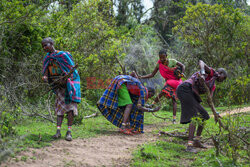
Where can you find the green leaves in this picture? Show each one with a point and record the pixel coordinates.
(213, 30)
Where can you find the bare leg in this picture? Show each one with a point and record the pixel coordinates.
(191, 132)
(125, 128)
(127, 113)
(199, 130)
(59, 124)
(59, 120)
(174, 110)
(197, 142)
(70, 118)
(190, 147)
(174, 107)
(70, 123)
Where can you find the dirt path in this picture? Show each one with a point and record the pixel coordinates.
(235, 111)
(113, 149)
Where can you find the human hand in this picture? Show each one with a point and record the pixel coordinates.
(218, 114)
(45, 78)
(152, 109)
(62, 81)
(201, 78)
(156, 109)
(149, 105)
(132, 74)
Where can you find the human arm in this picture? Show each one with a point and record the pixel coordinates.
(145, 109)
(181, 65)
(211, 93)
(204, 68)
(152, 74)
(45, 76)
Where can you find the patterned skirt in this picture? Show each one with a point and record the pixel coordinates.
(60, 106)
(169, 92)
(115, 116)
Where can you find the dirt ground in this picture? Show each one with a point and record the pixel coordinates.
(112, 149)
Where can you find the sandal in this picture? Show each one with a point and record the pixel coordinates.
(57, 135)
(126, 131)
(135, 132)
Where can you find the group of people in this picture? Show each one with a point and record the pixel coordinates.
(123, 103)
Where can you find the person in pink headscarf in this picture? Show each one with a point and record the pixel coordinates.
(171, 70)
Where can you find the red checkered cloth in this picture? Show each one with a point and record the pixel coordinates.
(169, 92)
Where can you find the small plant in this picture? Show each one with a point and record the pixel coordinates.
(6, 124)
(147, 156)
(24, 158)
(78, 119)
(33, 158)
(233, 140)
(198, 121)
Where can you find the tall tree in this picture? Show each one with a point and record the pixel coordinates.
(129, 9)
(164, 14)
(215, 34)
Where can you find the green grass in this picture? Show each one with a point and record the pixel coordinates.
(209, 159)
(38, 133)
(173, 154)
(170, 151)
(161, 153)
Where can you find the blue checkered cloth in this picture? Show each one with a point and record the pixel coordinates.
(108, 103)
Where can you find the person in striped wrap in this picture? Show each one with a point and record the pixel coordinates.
(123, 103)
(57, 65)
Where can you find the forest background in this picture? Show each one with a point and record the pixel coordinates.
(111, 37)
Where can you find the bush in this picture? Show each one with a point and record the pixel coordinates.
(6, 124)
(233, 91)
(232, 141)
(84, 109)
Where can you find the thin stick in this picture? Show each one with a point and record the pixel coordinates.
(211, 104)
(48, 105)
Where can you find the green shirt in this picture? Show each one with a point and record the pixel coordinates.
(123, 96)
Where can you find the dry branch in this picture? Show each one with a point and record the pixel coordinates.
(92, 115)
(182, 135)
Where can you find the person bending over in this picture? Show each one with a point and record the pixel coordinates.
(123, 104)
(189, 95)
